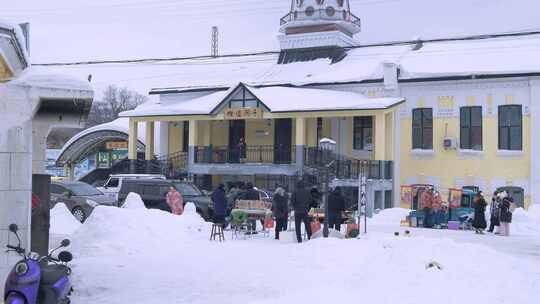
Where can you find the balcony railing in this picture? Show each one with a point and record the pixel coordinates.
(174, 165)
(342, 167)
(251, 154)
(321, 14)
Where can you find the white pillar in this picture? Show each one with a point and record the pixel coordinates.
(149, 145)
(163, 148)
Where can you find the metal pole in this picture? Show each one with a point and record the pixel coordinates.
(325, 201)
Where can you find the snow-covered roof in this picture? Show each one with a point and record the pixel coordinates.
(120, 125)
(277, 99)
(490, 56)
(38, 79)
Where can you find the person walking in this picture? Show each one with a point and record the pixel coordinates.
(336, 206)
(505, 214)
(175, 201)
(220, 204)
(427, 203)
(438, 213)
(300, 201)
(280, 210)
(494, 212)
(479, 222)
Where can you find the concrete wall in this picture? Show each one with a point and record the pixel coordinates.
(15, 169)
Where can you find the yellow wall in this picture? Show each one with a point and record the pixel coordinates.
(264, 127)
(220, 133)
(449, 164)
(311, 132)
(175, 137)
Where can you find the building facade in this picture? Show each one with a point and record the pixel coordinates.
(450, 113)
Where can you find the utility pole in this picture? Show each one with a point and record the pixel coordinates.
(215, 40)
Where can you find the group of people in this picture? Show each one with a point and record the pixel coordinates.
(433, 207)
(434, 210)
(501, 209)
(300, 201)
(500, 213)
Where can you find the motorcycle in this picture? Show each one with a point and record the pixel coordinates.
(38, 279)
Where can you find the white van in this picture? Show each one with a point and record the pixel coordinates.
(114, 183)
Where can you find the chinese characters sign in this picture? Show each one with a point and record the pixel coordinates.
(117, 145)
(243, 113)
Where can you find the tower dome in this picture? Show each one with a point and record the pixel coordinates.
(305, 13)
(318, 24)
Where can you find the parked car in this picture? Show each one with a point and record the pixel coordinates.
(152, 191)
(191, 193)
(114, 183)
(80, 198)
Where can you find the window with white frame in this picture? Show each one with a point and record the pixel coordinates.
(422, 128)
(510, 127)
(470, 128)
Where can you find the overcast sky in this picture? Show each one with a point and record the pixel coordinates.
(64, 30)
(68, 30)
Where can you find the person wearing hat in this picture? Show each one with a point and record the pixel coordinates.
(479, 222)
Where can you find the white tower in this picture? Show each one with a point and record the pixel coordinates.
(318, 23)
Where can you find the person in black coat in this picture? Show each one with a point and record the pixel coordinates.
(505, 214)
(300, 200)
(494, 212)
(220, 204)
(479, 222)
(280, 210)
(336, 206)
(252, 195)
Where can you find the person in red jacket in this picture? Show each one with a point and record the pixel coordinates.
(175, 201)
(426, 203)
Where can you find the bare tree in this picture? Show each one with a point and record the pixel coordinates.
(114, 101)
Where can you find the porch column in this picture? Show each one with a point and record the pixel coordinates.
(149, 147)
(163, 138)
(132, 143)
(193, 133)
(380, 136)
(300, 143)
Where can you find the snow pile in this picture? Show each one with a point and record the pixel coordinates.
(526, 222)
(391, 216)
(135, 231)
(62, 221)
(133, 201)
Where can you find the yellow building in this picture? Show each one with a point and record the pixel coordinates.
(451, 113)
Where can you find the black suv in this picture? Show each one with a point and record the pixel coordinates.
(153, 193)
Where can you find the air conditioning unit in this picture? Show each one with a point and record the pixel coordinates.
(450, 143)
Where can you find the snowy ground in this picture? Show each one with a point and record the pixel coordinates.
(146, 256)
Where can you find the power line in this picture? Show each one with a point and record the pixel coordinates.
(236, 55)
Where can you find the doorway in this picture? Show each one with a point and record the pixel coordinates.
(237, 131)
(282, 141)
